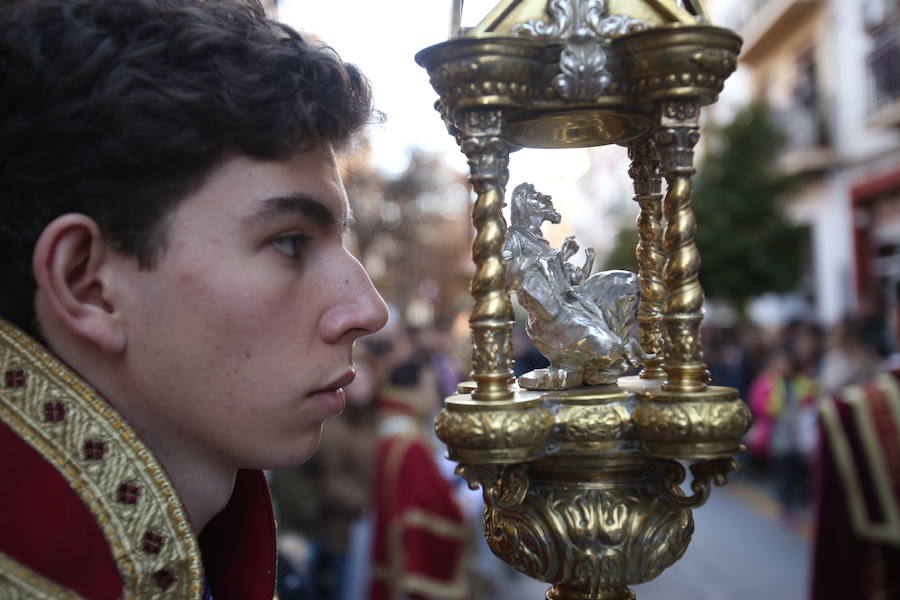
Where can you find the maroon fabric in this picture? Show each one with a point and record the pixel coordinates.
(45, 526)
(845, 566)
(416, 484)
(238, 545)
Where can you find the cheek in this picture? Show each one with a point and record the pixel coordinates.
(231, 304)
(257, 331)
(207, 324)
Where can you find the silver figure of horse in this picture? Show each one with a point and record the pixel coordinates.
(582, 323)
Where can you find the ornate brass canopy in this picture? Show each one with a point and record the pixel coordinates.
(574, 73)
(582, 485)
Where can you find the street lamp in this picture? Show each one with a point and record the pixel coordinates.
(581, 482)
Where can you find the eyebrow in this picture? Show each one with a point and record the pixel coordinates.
(302, 204)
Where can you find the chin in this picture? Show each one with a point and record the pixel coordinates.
(296, 452)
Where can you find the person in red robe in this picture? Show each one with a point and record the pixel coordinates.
(857, 491)
(178, 308)
(421, 541)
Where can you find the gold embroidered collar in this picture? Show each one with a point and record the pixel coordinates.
(116, 476)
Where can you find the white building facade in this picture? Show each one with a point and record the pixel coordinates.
(830, 69)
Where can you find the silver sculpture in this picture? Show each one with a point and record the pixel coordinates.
(582, 323)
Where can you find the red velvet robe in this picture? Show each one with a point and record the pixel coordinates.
(86, 511)
(857, 539)
(421, 539)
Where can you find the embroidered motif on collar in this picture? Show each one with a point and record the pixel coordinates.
(106, 464)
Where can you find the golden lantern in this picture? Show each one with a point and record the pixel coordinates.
(581, 482)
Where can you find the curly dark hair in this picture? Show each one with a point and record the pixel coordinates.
(116, 109)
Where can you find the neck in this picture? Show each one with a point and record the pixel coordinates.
(203, 485)
(204, 482)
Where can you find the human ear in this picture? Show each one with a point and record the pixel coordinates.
(71, 267)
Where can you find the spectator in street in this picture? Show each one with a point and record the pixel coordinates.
(724, 359)
(805, 342)
(849, 358)
(751, 341)
(779, 397)
(437, 344)
(857, 546)
(421, 539)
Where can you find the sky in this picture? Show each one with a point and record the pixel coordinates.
(382, 38)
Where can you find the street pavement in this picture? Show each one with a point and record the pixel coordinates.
(740, 551)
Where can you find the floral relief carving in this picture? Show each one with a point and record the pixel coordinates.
(587, 538)
(490, 350)
(494, 429)
(692, 422)
(596, 423)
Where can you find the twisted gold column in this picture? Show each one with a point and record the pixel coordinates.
(676, 136)
(644, 172)
(480, 138)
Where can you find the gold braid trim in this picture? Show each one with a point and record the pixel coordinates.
(420, 584)
(106, 464)
(436, 525)
(417, 518)
(888, 531)
(415, 583)
(18, 582)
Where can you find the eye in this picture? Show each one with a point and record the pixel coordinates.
(292, 245)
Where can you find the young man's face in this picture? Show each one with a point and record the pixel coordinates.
(239, 336)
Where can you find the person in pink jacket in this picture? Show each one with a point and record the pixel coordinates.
(779, 399)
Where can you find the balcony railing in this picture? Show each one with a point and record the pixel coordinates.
(807, 138)
(804, 128)
(884, 68)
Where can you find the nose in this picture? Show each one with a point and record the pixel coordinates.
(357, 310)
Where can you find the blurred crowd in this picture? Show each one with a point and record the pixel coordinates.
(378, 512)
(783, 374)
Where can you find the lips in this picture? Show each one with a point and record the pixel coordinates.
(331, 397)
(339, 382)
